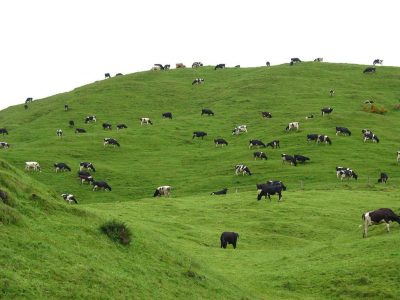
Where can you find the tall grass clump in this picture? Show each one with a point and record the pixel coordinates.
(117, 231)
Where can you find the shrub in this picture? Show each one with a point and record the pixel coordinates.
(375, 109)
(397, 107)
(117, 231)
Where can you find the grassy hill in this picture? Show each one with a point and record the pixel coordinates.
(308, 246)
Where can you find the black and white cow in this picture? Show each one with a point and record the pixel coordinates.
(377, 62)
(256, 143)
(71, 123)
(266, 114)
(260, 155)
(369, 70)
(219, 66)
(121, 126)
(197, 64)
(32, 165)
(107, 126)
(110, 142)
(86, 178)
(241, 128)
(59, 133)
(273, 144)
(206, 111)
(90, 119)
(221, 192)
(292, 125)
(381, 215)
(199, 134)
(241, 168)
(167, 115)
(198, 81)
(102, 185)
(164, 190)
(4, 145)
(324, 139)
(384, 178)
(86, 166)
(229, 238)
(295, 60)
(343, 172)
(319, 59)
(369, 136)
(28, 100)
(221, 142)
(69, 198)
(331, 93)
(145, 121)
(326, 110)
(343, 130)
(107, 75)
(80, 130)
(3, 131)
(270, 189)
(301, 158)
(66, 107)
(61, 167)
(288, 158)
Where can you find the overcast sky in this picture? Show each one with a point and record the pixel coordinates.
(49, 47)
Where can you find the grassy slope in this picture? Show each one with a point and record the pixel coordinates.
(175, 237)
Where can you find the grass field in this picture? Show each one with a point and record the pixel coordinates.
(309, 246)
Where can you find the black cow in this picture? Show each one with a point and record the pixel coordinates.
(384, 178)
(219, 66)
(71, 123)
(110, 142)
(90, 119)
(326, 110)
(256, 143)
(86, 165)
(229, 238)
(61, 167)
(268, 64)
(121, 126)
(260, 155)
(369, 70)
(221, 142)
(369, 136)
(167, 115)
(221, 192)
(3, 131)
(269, 189)
(199, 134)
(273, 183)
(288, 158)
(206, 111)
(343, 130)
(107, 75)
(80, 130)
(198, 81)
(101, 185)
(266, 114)
(300, 158)
(107, 126)
(295, 60)
(381, 215)
(273, 144)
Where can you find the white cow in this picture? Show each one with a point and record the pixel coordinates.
(32, 165)
(292, 125)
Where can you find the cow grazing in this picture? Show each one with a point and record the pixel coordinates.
(145, 121)
(221, 192)
(71, 123)
(241, 168)
(369, 136)
(167, 115)
(69, 198)
(199, 134)
(80, 130)
(256, 143)
(86, 178)
(28, 100)
(326, 110)
(4, 145)
(324, 139)
(268, 64)
(164, 190)
(121, 126)
(266, 114)
(90, 119)
(198, 81)
(295, 60)
(273, 144)
(206, 111)
(107, 75)
(369, 70)
(61, 167)
(292, 125)
(343, 172)
(107, 126)
(219, 66)
(86, 166)
(110, 142)
(180, 65)
(229, 238)
(331, 93)
(384, 178)
(66, 107)
(102, 185)
(300, 158)
(270, 189)
(260, 155)
(381, 215)
(241, 128)
(343, 130)
(3, 131)
(220, 142)
(310, 117)
(319, 59)
(197, 64)
(377, 62)
(288, 158)
(32, 165)
(59, 133)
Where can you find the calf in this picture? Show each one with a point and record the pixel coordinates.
(107, 126)
(381, 215)
(121, 126)
(110, 142)
(164, 190)
(101, 185)
(371, 137)
(61, 167)
(206, 111)
(199, 134)
(369, 70)
(273, 144)
(3, 131)
(242, 169)
(229, 238)
(90, 119)
(221, 142)
(167, 115)
(219, 66)
(292, 125)
(145, 121)
(288, 158)
(69, 198)
(343, 130)
(324, 139)
(266, 114)
(377, 62)
(326, 110)
(300, 158)
(80, 130)
(256, 143)
(221, 192)
(86, 166)
(260, 155)
(269, 189)
(384, 178)
(32, 165)
(4, 145)
(59, 133)
(198, 81)
(239, 129)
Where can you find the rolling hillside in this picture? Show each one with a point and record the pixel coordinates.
(307, 247)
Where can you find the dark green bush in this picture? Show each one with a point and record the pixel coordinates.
(117, 231)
